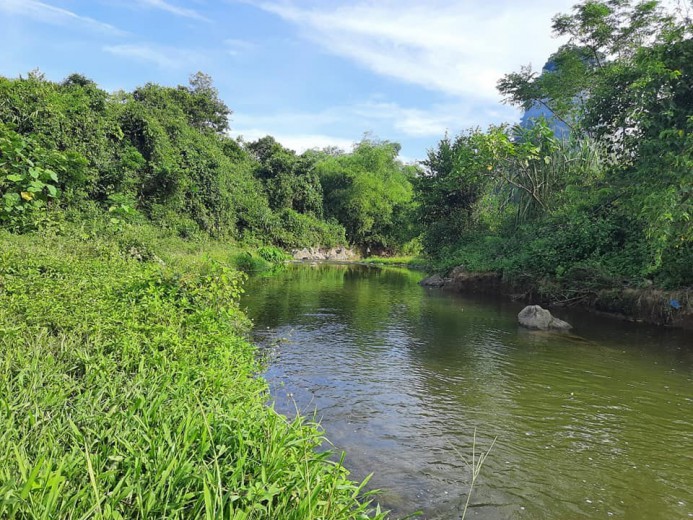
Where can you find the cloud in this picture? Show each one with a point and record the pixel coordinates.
(51, 14)
(174, 9)
(431, 121)
(299, 131)
(297, 142)
(162, 56)
(305, 130)
(235, 47)
(456, 48)
(413, 122)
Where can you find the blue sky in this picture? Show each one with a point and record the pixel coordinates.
(311, 73)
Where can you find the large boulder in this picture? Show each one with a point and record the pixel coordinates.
(536, 318)
(338, 253)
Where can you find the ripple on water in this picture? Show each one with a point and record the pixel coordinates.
(599, 426)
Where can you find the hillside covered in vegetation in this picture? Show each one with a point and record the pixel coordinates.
(162, 154)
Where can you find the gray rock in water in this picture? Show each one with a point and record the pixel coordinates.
(433, 281)
(536, 318)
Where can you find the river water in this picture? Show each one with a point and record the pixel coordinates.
(596, 424)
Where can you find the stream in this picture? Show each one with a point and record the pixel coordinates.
(413, 382)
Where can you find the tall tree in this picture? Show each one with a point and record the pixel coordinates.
(370, 192)
(628, 82)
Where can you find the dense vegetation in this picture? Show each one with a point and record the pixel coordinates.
(127, 389)
(607, 206)
(162, 154)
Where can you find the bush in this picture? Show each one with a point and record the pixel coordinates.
(273, 254)
(250, 263)
(127, 390)
(29, 182)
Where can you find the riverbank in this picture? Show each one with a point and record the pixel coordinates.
(128, 388)
(411, 262)
(648, 305)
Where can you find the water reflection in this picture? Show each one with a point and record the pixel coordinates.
(592, 425)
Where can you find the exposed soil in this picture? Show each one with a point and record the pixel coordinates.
(649, 305)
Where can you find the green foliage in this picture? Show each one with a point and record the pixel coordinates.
(633, 93)
(299, 230)
(453, 182)
(157, 153)
(250, 263)
(289, 180)
(201, 104)
(71, 117)
(128, 391)
(370, 192)
(611, 204)
(29, 180)
(273, 255)
(162, 153)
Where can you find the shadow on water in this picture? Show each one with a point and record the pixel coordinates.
(595, 424)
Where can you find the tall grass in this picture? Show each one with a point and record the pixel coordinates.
(127, 390)
(475, 467)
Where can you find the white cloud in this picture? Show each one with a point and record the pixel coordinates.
(457, 48)
(174, 9)
(414, 122)
(51, 14)
(432, 121)
(235, 47)
(297, 142)
(306, 122)
(305, 130)
(162, 56)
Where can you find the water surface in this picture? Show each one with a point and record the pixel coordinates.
(598, 424)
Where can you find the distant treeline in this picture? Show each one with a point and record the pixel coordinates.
(609, 205)
(163, 154)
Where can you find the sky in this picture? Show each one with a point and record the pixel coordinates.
(310, 73)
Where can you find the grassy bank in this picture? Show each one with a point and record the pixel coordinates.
(128, 389)
(413, 261)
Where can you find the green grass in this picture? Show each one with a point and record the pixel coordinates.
(415, 262)
(127, 390)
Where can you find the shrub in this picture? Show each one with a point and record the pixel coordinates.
(127, 390)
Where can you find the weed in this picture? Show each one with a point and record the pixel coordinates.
(127, 390)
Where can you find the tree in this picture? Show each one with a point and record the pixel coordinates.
(370, 192)
(200, 101)
(627, 81)
(454, 177)
(290, 181)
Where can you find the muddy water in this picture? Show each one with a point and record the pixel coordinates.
(598, 424)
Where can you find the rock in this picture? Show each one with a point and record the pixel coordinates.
(475, 282)
(457, 272)
(536, 318)
(433, 281)
(339, 253)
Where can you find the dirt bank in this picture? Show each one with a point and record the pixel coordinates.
(649, 305)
